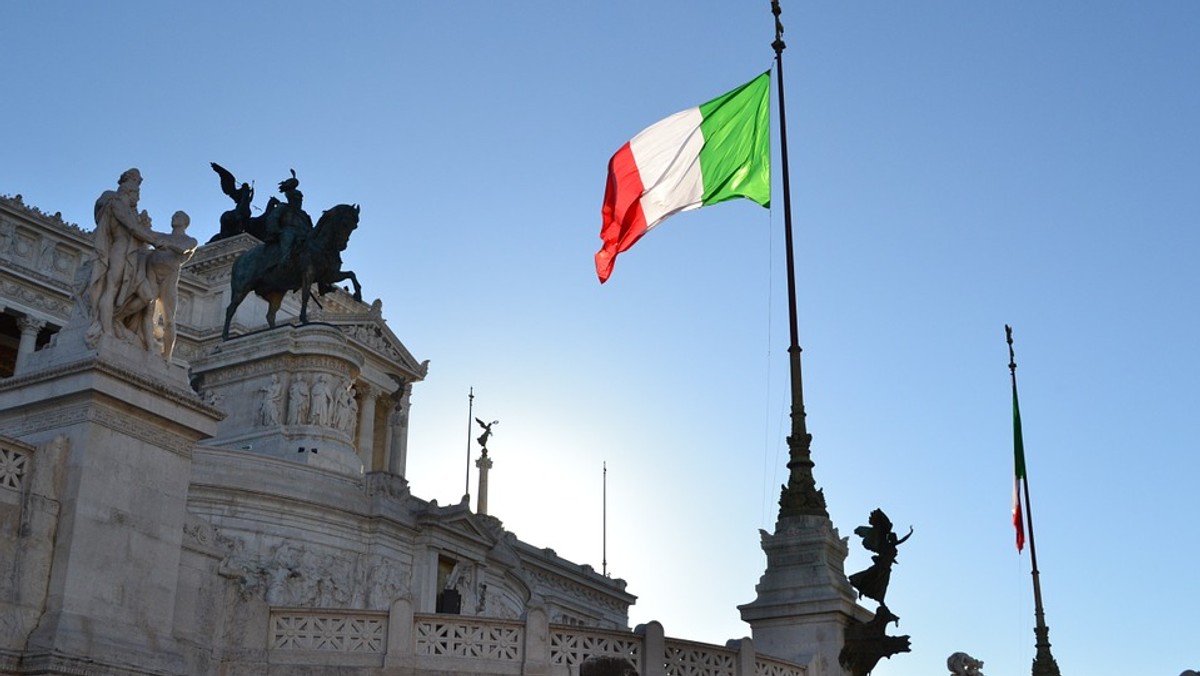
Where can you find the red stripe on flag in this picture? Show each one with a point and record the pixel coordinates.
(1018, 515)
(623, 220)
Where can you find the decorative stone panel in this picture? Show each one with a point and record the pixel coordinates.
(329, 631)
(571, 648)
(684, 658)
(769, 667)
(502, 641)
(14, 467)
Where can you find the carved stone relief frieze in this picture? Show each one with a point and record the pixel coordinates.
(301, 575)
(277, 364)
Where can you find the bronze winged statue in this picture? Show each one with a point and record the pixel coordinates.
(237, 219)
(487, 432)
(879, 538)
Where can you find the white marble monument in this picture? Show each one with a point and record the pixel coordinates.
(173, 503)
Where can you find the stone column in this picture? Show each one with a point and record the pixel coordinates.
(30, 328)
(484, 463)
(397, 441)
(366, 424)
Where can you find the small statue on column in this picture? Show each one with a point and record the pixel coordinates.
(484, 463)
(487, 432)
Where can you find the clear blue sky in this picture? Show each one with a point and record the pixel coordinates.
(956, 167)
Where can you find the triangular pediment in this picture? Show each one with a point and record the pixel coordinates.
(459, 521)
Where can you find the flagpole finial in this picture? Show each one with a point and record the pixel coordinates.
(778, 44)
(1012, 360)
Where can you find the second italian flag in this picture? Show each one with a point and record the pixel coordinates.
(711, 153)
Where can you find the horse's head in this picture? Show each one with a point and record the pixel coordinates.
(336, 224)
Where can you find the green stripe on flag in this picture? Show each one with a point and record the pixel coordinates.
(736, 158)
(1018, 442)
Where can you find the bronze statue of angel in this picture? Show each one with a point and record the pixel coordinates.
(878, 537)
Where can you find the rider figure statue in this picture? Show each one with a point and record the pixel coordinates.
(287, 222)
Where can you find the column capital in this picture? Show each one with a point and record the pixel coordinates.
(30, 324)
(368, 391)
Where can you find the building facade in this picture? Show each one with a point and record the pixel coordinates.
(242, 507)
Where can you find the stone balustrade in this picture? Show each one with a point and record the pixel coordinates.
(456, 644)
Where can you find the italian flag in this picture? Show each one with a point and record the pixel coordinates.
(711, 153)
(1018, 472)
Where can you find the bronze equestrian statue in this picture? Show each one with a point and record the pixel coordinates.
(314, 258)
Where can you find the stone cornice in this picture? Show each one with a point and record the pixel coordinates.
(16, 204)
(27, 292)
(93, 362)
(551, 569)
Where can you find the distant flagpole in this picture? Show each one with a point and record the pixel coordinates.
(470, 415)
(604, 524)
(1043, 661)
(800, 497)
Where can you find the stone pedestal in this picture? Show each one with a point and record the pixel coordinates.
(276, 379)
(804, 599)
(126, 422)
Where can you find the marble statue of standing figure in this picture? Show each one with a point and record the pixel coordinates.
(320, 401)
(268, 403)
(350, 415)
(118, 233)
(337, 413)
(297, 401)
(164, 265)
(133, 309)
(157, 289)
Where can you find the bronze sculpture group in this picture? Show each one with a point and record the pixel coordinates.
(867, 642)
(294, 254)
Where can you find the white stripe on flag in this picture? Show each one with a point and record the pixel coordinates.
(667, 154)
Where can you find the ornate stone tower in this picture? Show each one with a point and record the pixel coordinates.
(804, 599)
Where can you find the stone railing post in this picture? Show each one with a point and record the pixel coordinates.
(745, 657)
(400, 635)
(537, 643)
(654, 649)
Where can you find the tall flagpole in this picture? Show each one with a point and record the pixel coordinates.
(1043, 661)
(800, 497)
(470, 415)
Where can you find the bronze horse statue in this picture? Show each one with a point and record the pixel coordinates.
(315, 258)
